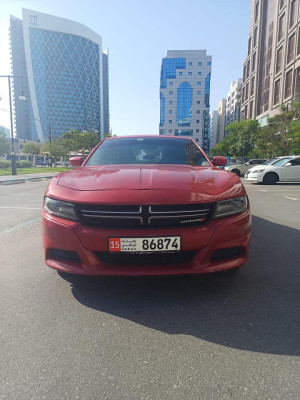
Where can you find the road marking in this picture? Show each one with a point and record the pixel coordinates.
(21, 225)
(22, 208)
(262, 190)
(291, 198)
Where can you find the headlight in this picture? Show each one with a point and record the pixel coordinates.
(231, 207)
(258, 171)
(60, 209)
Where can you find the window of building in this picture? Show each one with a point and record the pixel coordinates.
(170, 130)
(253, 61)
(248, 68)
(190, 73)
(198, 111)
(279, 60)
(190, 63)
(288, 83)
(184, 104)
(281, 27)
(197, 121)
(198, 93)
(170, 83)
(247, 90)
(292, 13)
(276, 92)
(170, 102)
(252, 85)
(170, 112)
(198, 101)
(180, 73)
(170, 121)
(170, 93)
(244, 73)
(291, 48)
(199, 73)
(209, 63)
(246, 112)
(199, 63)
(282, 3)
(298, 47)
(255, 37)
(251, 110)
(197, 130)
(256, 11)
(199, 83)
(249, 45)
(197, 140)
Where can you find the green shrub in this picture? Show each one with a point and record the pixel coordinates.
(4, 164)
(23, 164)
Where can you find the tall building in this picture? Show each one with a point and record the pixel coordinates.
(61, 70)
(184, 95)
(233, 102)
(272, 67)
(213, 129)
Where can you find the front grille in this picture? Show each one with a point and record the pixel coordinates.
(143, 217)
(146, 259)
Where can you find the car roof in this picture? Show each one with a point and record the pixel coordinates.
(149, 136)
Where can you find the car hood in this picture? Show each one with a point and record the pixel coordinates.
(143, 178)
(156, 184)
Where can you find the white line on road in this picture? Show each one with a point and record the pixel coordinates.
(22, 208)
(291, 198)
(21, 225)
(262, 190)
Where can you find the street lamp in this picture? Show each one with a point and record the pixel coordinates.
(22, 98)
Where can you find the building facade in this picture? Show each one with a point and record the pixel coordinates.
(271, 74)
(60, 68)
(185, 94)
(233, 102)
(213, 129)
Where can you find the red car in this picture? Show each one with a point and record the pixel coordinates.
(146, 205)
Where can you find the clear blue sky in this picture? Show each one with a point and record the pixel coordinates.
(138, 34)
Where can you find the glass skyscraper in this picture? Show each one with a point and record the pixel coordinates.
(61, 69)
(184, 95)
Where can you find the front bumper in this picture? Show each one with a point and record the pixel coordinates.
(254, 177)
(201, 244)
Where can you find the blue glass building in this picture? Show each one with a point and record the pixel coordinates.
(63, 74)
(184, 95)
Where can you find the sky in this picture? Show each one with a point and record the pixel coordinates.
(138, 34)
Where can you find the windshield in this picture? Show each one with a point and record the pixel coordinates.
(282, 161)
(268, 162)
(142, 150)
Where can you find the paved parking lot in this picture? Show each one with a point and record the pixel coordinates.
(208, 337)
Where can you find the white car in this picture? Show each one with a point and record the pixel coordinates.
(241, 169)
(285, 169)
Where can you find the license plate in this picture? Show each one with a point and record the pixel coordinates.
(160, 244)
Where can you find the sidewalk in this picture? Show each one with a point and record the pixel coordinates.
(14, 179)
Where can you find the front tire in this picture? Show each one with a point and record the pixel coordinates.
(237, 172)
(270, 179)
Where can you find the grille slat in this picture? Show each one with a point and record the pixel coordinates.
(146, 217)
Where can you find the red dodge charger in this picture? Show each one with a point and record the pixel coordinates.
(146, 205)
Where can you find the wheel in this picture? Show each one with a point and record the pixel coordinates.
(236, 171)
(270, 179)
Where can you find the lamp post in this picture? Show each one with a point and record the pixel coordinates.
(22, 98)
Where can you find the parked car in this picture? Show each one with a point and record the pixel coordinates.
(241, 169)
(285, 169)
(146, 205)
(39, 163)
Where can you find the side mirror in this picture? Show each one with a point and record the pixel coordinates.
(76, 161)
(219, 161)
(289, 164)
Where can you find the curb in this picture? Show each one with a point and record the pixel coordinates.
(23, 180)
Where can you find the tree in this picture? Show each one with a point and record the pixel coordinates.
(243, 136)
(55, 149)
(31, 149)
(4, 145)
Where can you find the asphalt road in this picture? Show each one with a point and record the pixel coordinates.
(208, 337)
